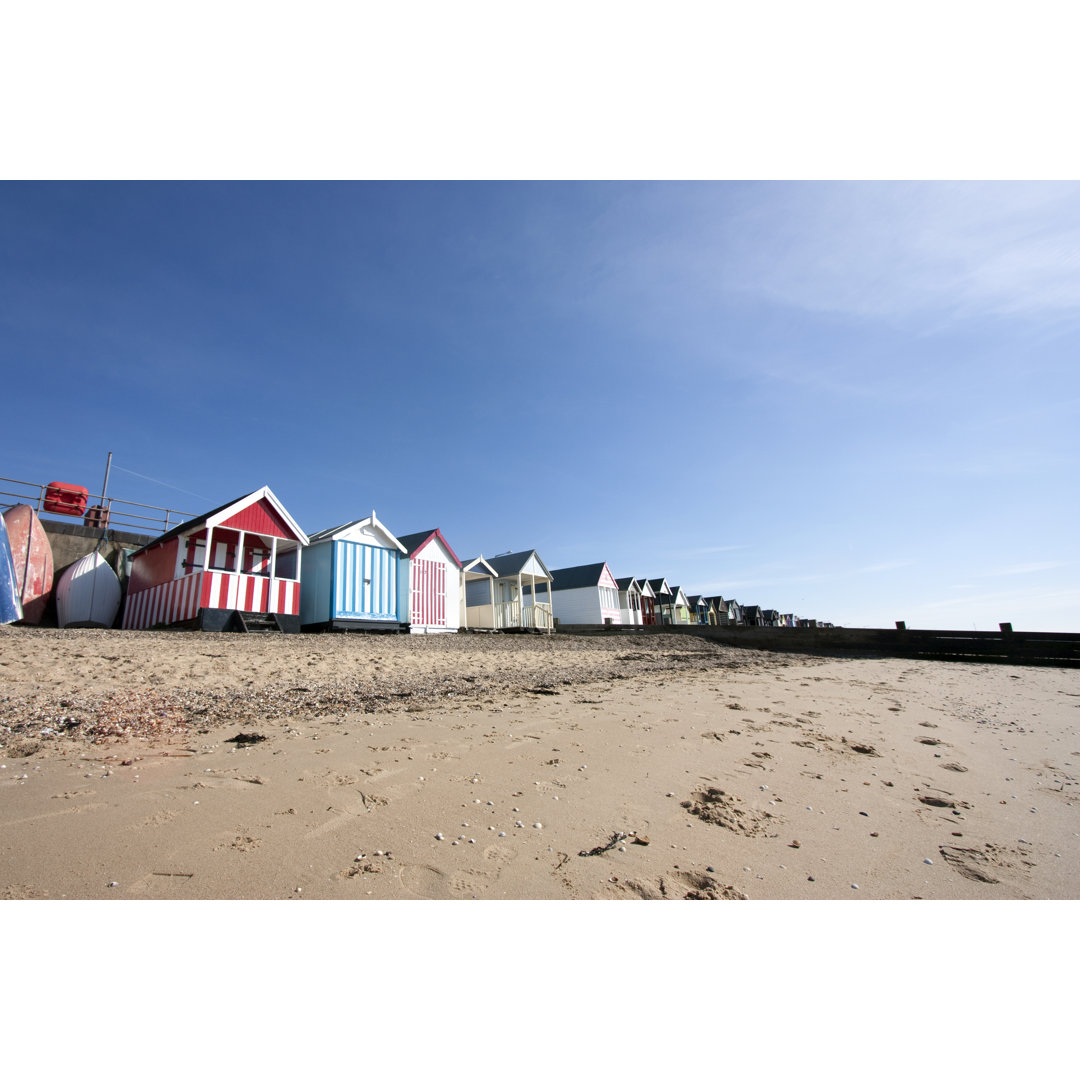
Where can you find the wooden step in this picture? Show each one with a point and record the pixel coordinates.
(256, 622)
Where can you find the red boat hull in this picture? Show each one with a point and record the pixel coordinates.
(32, 556)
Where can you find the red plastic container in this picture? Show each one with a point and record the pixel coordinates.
(65, 499)
(97, 517)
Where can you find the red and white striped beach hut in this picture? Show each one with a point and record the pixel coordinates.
(242, 559)
(434, 583)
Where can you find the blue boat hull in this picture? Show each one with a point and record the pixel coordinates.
(10, 607)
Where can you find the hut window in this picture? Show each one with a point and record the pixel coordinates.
(196, 555)
(224, 556)
(286, 565)
(257, 560)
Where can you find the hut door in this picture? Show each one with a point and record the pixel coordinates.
(429, 593)
(365, 581)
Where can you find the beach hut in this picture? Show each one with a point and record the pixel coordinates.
(648, 602)
(699, 610)
(509, 600)
(719, 610)
(752, 615)
(478, 594)
(434, 585)
(662, 598)
(236, 567)
(585, 595)
(629, 600)
(680, 607)
(353, 580)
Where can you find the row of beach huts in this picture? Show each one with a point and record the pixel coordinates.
(248, 566)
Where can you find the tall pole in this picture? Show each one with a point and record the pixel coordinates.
(105, 485)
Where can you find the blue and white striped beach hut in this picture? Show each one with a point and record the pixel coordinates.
(351, 579)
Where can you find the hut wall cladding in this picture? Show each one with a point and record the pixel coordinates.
(428, 592)
(260, 518)
(365, 581)
(154, 566)
(179, 600)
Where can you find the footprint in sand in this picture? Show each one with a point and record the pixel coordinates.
(24, 892)
(425, 881)
(719, 808)
(499, 855)
(162, 817)
(680, 885)
(978, 864)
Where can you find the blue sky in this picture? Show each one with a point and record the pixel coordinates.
(857, 402)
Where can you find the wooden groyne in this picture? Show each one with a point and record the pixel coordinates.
(1002, 646)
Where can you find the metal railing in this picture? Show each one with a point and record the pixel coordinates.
(107, 513)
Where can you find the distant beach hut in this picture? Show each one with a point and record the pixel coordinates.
(236, 567)
(585, 595)
(699, 610)
(478, 594)
(648, 602)
(629, 600)
(663, 601)
(434, 583)
(352, 579)
(680, 607)
(509, 600)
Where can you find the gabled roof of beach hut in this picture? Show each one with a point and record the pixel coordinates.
(477, 564)
(627, 583)
(354, 530)
(416, 542)
(659, 585)
(223, 516)
(579, 577)
(516, 563)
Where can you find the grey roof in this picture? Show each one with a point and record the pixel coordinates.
(509, 565)
(414, 540)
(577, 577)
(325, 534)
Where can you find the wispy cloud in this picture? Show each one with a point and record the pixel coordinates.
(714, 550)
(883, 567)
(890, 250)
(1025, 568)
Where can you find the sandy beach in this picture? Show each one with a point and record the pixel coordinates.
(190, 766)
